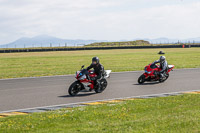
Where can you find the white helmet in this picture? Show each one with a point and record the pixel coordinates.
(162, 58)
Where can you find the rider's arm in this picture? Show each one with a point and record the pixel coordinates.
(155, 62)
(91, 66)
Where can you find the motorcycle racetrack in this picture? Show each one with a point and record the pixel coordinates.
(45, 91)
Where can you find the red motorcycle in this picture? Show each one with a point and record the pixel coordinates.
(152, 74)
(84, 82)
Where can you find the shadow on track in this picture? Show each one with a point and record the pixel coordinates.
(79, 95)
(149, 83)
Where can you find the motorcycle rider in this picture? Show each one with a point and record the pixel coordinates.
(98, 69)
(163, 65)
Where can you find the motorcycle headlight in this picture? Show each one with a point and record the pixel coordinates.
(82, 77)
(148, 72)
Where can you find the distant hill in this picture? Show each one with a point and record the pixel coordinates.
(50, 41)
(45, 41)
(125, 43)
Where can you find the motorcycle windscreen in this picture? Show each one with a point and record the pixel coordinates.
(84, 71)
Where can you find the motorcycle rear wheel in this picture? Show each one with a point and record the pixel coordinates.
(163, 80)
(104, 84)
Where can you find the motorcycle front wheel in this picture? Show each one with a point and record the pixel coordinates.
(74, 88)
(141, 79)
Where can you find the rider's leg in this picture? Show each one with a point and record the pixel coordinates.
(162, 74)
(98, 84)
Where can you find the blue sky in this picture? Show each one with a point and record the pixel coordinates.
(99, 19)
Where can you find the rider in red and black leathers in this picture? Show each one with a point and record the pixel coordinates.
(98, 69)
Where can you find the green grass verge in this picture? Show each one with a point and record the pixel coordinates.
(14, 65)
(167, 114)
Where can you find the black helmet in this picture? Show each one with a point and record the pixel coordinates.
(162, 58)
(95, 59)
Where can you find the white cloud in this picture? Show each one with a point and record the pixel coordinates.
(99, 19)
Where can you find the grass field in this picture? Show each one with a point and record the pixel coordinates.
(168, 114)
(13, 65)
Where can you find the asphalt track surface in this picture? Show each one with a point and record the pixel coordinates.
(45, 91)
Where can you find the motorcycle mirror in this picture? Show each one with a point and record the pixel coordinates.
(83, 66)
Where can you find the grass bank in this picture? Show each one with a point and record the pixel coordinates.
(168, 114)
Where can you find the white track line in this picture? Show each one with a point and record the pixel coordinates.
(97, 101)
